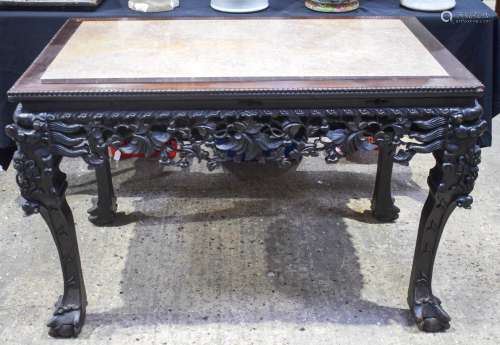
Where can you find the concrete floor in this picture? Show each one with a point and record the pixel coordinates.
(206, 258)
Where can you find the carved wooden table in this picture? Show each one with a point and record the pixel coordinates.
(243, 90)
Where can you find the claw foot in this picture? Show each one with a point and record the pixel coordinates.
(100, 217)
(388, 214)
(67, 321)
(430, 316)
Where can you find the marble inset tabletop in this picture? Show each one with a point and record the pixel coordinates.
(196, 50)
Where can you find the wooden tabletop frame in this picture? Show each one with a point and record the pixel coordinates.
(459, 81)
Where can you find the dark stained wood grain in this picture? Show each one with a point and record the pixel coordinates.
(459, 83)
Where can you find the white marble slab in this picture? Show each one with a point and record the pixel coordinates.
(219, 49)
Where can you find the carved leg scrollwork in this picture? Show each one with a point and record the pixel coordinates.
(42, 187)
(450, 181)
(383, 207)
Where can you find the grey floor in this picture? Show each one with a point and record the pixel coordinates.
(207, 258)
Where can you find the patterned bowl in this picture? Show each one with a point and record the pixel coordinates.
(332, 5)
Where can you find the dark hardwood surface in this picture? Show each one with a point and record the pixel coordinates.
(460, 83)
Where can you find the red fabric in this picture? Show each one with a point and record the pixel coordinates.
(171, 154)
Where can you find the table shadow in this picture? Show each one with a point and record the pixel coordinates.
(268, 249)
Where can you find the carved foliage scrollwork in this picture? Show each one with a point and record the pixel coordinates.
(38, 175)
(460, 158)
(220, 136)
(216, 136)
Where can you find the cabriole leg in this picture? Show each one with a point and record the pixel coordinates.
(429, 314)
(383, 208)
(43, 187)
(450, 182)
(69, 315)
